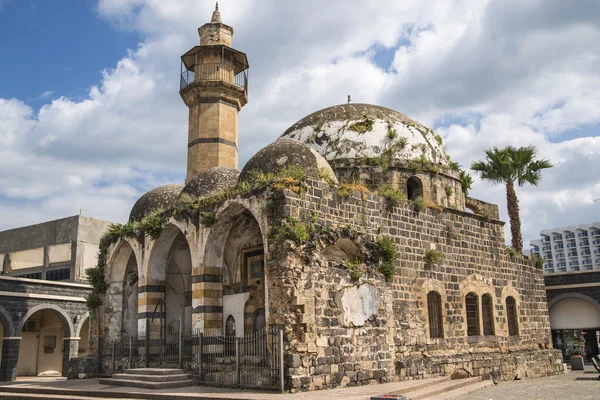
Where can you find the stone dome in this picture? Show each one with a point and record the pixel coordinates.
(286, 152)
(364, 130)
(161, 198)
(211, 180)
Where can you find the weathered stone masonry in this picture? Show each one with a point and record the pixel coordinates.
(394, 344)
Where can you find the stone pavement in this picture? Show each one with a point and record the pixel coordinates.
(575, 385)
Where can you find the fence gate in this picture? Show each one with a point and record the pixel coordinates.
(254, 361)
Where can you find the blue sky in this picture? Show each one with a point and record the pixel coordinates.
(58, 46)
(90, 115)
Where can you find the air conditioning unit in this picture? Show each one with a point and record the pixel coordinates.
(32, 326)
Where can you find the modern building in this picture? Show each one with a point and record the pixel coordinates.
(572, 279)
(43, 313)
(569, 249)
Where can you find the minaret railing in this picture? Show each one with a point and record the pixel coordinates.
(223, 72)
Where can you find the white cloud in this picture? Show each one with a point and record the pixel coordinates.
(486, 73)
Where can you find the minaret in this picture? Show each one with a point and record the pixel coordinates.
(214, 85)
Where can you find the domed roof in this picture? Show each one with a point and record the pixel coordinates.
(286, 152)
(161, 198)
(364, 130)
(210, 180)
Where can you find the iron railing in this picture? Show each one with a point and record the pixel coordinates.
(254, 361)
(214, 72)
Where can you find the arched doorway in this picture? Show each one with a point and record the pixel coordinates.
(575, 324)
(129, 319)
(179, 283)
(235, 246)
(414, 188)
(42, 349)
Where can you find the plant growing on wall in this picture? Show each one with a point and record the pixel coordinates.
(294, 230)
(366, 125)
(434, 257)
(392, 196)
(388, 256)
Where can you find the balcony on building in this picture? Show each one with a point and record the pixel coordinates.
(584, 243)
(596, 241)
(572, 254)
(559, 246)
(570, 235)
(582, 234)
(545, 239)
(215, 63)
(560, 255)
(571, 245)
(595, 232)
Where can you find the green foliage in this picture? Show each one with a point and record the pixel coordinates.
(151, 225)
(355, 273)
(392, 134)
(388, 254)
(392, 148)
(419, 204)
(207, 219)
(311, 139)
(434, 257)
(511, 164)
(95, 277)
(292, 229)
(93, 301)
(538, 261)
(514, 253)
(466, 180)
(449, 190)
(325, 174)
(454, 166)
(347, 189)
(393, 196)
(318, 127)
(366, 125)
(438, 139)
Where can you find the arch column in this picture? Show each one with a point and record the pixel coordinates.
(10, 358)
(70, 350)
(207, 297)
(149, 295)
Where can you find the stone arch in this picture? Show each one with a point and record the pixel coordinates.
(124, 268)
(82, 334)
(479, 285)
(7, 323)
(235, 247)
(510, 291)
(64, 317)
(427, 286)
(80, 322)
(574, 311)
(414, 188)
(159, 252)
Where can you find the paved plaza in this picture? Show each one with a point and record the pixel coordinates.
(575, 385)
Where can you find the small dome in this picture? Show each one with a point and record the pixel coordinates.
(364, 130)
(161, 198)
(286, 152)
(210, 180)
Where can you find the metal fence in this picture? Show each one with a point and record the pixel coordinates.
(213, 72)
(254, 361)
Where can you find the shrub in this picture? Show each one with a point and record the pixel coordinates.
(152, 225)
(207, 219)
(419, 203)
(388, 254)
(325, 174)
(346, 189)
(538, 261)
(366, 125)
(434, 257)
(393, 196)
(291, 229)
(514, 253)
(449, 190)
(355, 273)
(466, 180)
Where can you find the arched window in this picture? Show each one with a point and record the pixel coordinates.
(512, 317)
(414, 188)
(436, 320)
(230, 326)
(487, 309)
(472, 307)
(258, 319)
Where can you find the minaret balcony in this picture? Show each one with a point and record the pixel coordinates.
(214, 72)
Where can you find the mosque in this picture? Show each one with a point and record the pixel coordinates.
(351, 232)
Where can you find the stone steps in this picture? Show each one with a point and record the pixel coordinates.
(439, 387)
(461, 391)
(150, 378)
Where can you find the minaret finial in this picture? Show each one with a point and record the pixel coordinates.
(349, 99)
(216, 17)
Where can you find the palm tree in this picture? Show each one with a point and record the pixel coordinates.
(510, 165)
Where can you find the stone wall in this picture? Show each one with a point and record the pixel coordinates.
(385, 338)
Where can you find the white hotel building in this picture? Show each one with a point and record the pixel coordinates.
(569, 249)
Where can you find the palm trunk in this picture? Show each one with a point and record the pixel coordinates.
(512, 204)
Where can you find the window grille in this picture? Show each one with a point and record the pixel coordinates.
(436, 321)
(472, 306)
(59, 275)
(512, 317)
(487, 308)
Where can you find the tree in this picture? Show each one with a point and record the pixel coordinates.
(510, 165)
